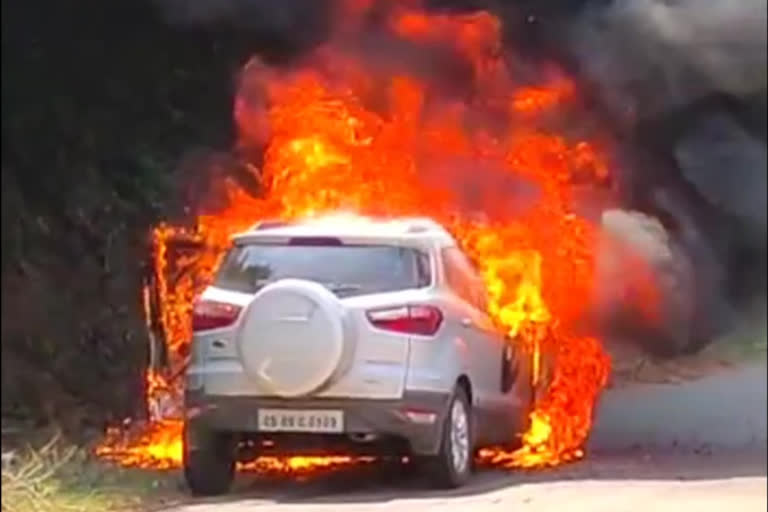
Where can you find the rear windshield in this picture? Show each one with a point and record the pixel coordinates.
(345, 269)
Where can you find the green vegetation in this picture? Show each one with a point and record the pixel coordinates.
(100, 102)
(749, 343)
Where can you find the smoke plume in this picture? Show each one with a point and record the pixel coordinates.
(656, 55)
(651, 58)
(645, 60)
(682, 83)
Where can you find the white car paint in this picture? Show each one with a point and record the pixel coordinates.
(354, 359)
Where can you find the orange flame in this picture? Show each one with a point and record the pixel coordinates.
(158, 446)
(342, 133)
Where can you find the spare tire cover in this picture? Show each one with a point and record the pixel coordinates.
(292, 337)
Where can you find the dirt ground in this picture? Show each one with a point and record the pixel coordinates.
(696, 444)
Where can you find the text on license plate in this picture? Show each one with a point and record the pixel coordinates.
(286, 420)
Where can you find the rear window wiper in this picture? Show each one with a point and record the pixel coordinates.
(342, 287)
(258, 284)
(334, 287)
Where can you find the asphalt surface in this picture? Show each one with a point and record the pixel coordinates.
(725, 410)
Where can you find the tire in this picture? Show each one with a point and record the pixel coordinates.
(446, 471)
(209, 467)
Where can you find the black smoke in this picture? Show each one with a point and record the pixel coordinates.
(698, 69)
(686, 81)
(682, 83)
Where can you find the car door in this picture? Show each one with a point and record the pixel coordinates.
(484, 348)
(496, 362)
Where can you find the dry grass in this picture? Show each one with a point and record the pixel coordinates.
(60, 478)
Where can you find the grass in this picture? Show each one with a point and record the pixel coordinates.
(59, 478)
(748, 344)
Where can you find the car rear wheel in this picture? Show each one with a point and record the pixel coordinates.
(452, 466)
(209, 461)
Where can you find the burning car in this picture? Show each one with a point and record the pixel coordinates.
(349, 335)
(485, 159)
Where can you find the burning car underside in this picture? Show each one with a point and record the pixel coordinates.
(405, 111)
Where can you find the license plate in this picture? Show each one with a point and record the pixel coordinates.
(286, 420)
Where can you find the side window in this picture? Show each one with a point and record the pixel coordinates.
(454, 275)
(423, 269)
(463, 278)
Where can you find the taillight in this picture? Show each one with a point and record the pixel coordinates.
(424, 320)
(209, 314)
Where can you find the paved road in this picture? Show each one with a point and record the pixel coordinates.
(726, 409)
(621, 483)
(698, 446)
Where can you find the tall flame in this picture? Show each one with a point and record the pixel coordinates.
(345, 132)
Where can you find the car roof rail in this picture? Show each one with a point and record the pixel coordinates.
(423, 225)
(269, 224)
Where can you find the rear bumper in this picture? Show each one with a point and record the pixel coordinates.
(380, 417)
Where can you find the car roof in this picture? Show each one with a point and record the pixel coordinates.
(350, 228)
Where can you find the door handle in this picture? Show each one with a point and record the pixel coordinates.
(466, 322)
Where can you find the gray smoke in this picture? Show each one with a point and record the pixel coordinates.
(631, 244)
(687, 78)
(651, 57)
(728, 166)
(654, 55)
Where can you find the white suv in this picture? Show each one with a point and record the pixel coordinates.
(356, 336)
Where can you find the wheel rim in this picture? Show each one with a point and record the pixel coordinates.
(459, 437)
